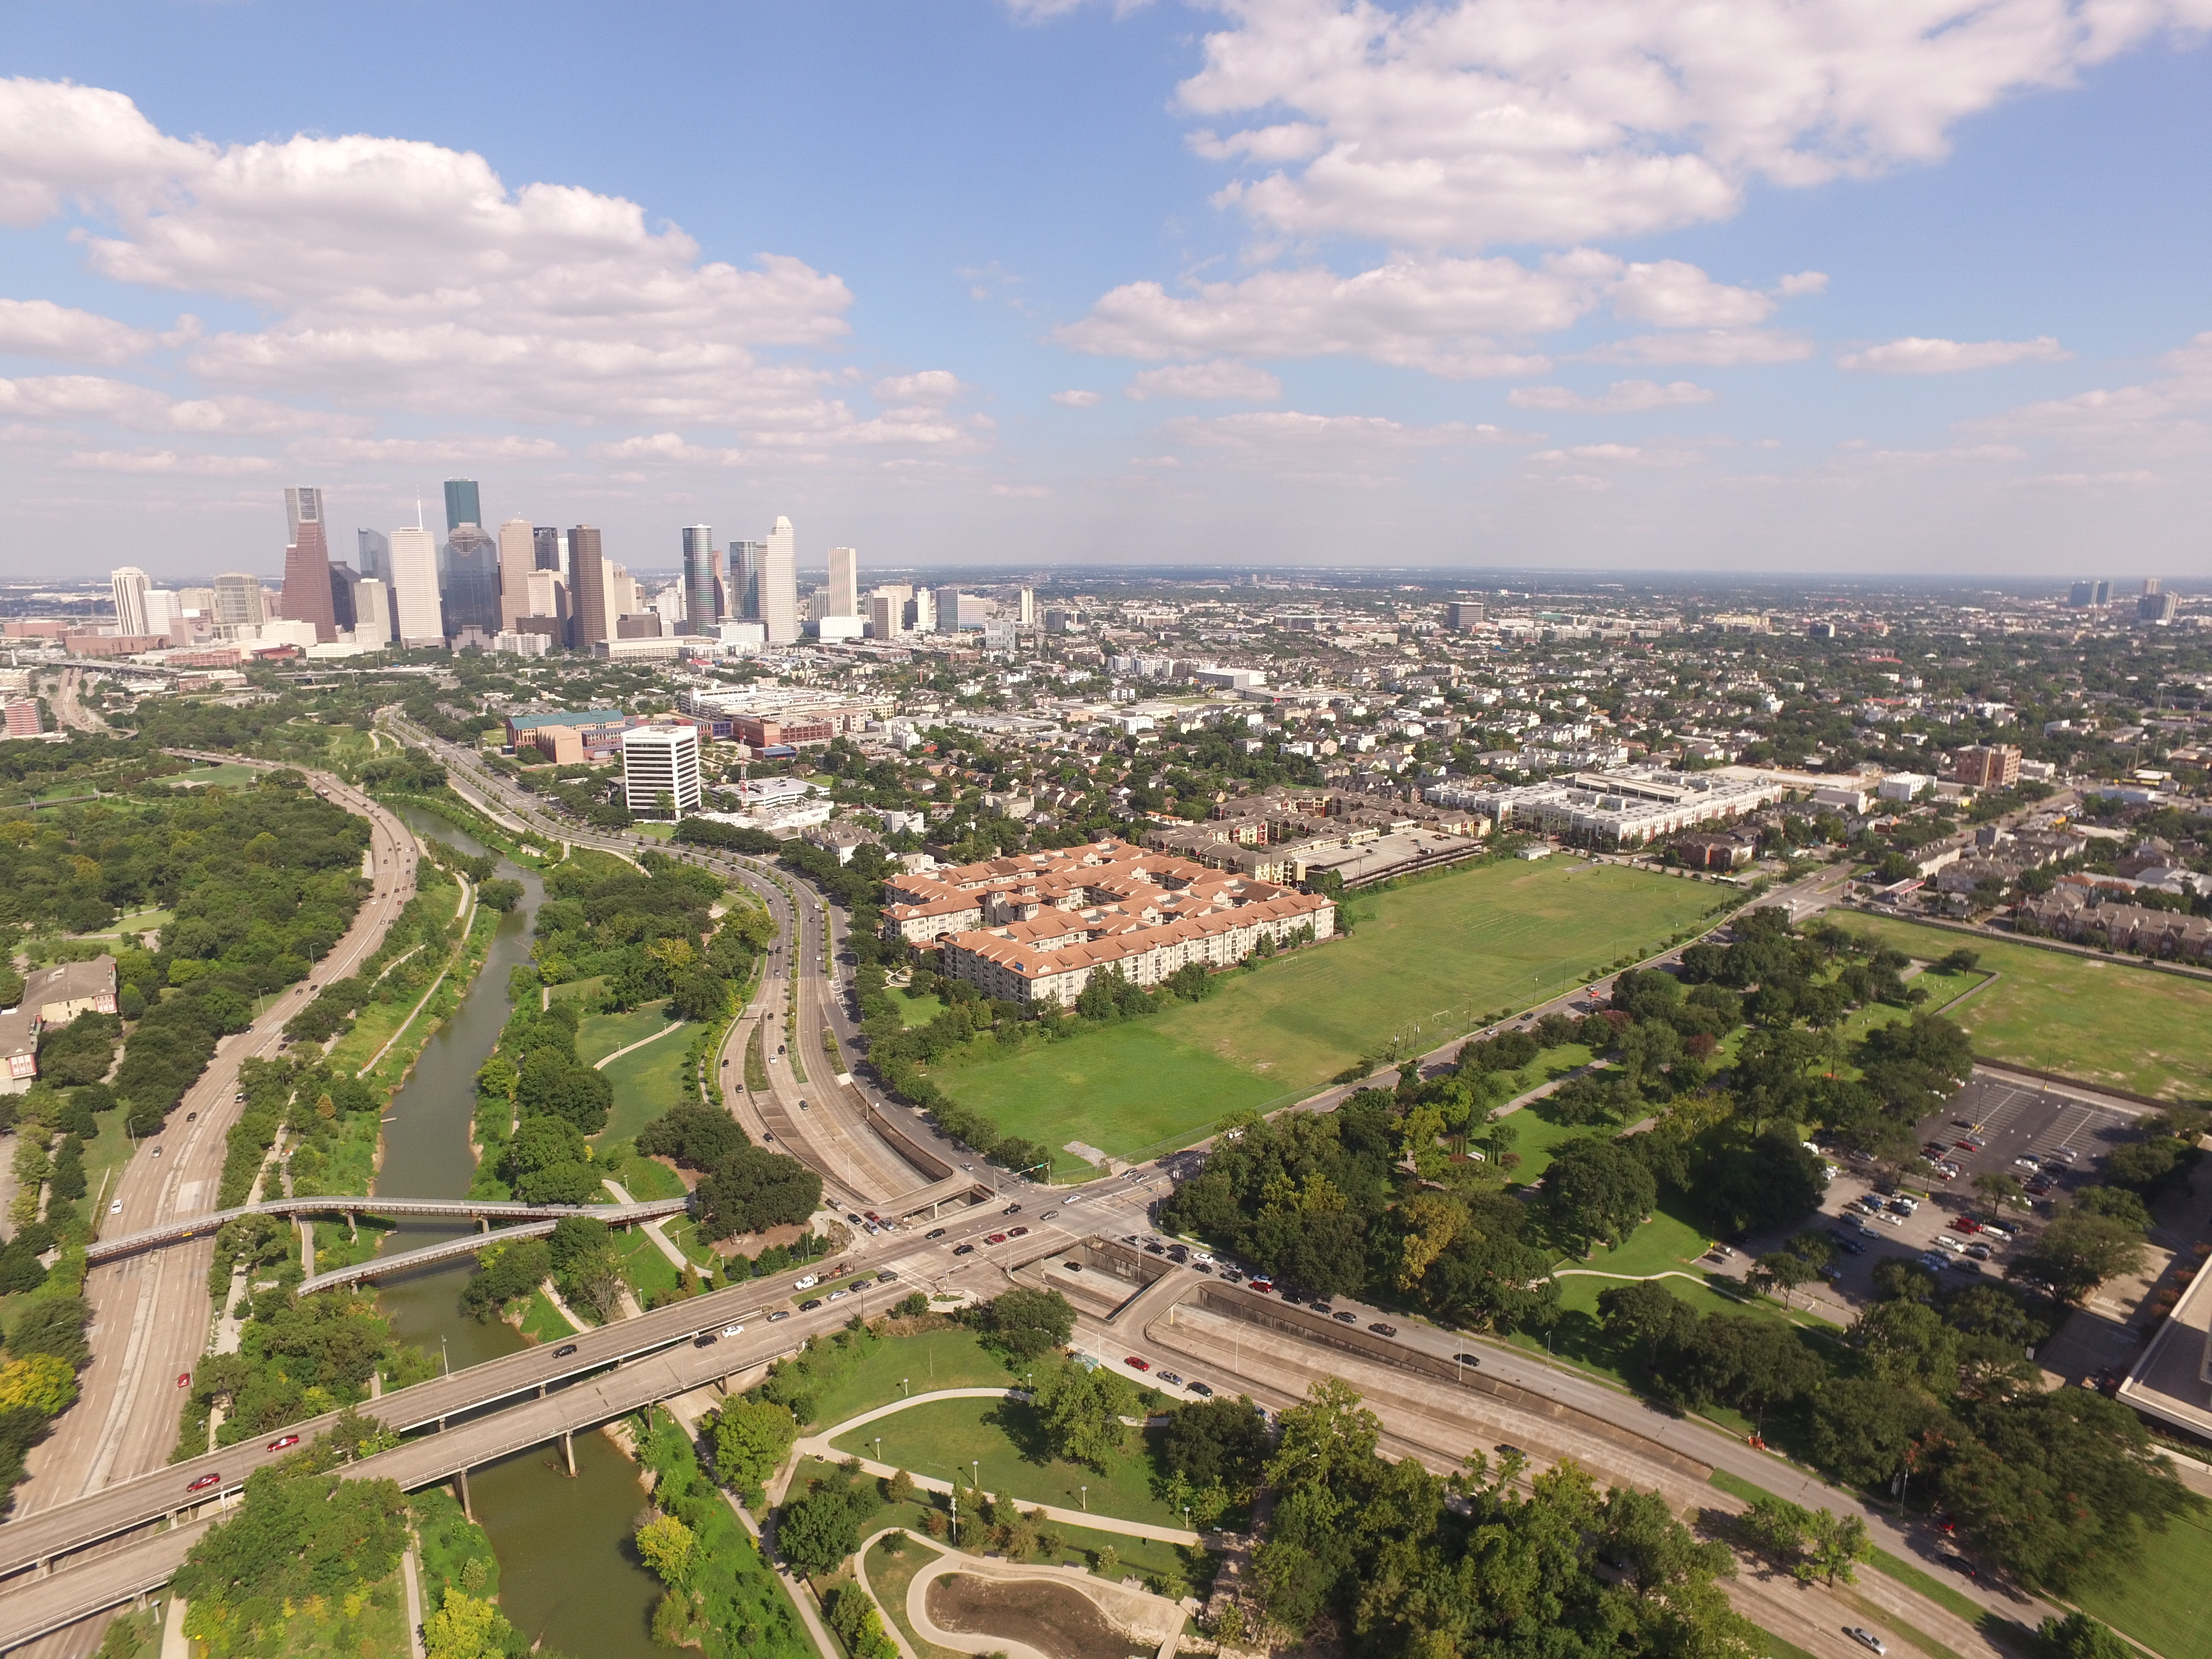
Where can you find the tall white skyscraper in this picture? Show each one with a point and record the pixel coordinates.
(415, 587)
(778, 586)
(922, 608)
(844, 582)
(518, 557)
(129, 585)
(1026, 611)
(164, 614)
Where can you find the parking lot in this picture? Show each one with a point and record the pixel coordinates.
(1991, 1124)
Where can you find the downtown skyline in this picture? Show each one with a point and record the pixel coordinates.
(1257, 286)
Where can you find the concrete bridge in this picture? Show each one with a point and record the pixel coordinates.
(381, 1266)
(482, 1211)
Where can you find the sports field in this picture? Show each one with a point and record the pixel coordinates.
(2099, 1022)
(1431, 954)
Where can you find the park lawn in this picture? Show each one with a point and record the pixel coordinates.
(1539, 1138)
(942, 1438)
(543, 1321)
(601, 1034)
(650, 1272)
(950, 1359)
(646, 1084)
(230, 773)
(683, 1232)
(1425, 962)
(1669, 1243)
(2165, 1602)
(589, 989)
(914, 1010)
(643, 1179)
(2097, 1022)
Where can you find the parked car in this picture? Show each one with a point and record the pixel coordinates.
(1381, 1329)
(1137, 1364)
(1200, 1390)
(811, 1305)
(1171, 1379)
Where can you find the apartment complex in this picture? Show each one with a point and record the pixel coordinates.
(1628, 806)
(1986, 766)
(1037, 926)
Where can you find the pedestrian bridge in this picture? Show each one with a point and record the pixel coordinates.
(483, 1211)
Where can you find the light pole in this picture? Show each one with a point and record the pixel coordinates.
(1086, 1499)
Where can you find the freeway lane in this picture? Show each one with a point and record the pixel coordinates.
(150, 1314)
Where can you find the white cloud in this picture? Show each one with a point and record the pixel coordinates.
(142, 409)
(2158, 416)
(1078, 398)
(932, 386)
(1485, 122)
(1622, 398)
(1915, 356)
(39, 328)
(1441, 315)
(456, 450)
(1711, 348)
(1218, 379)
(406, 274)
(1672, 294)
(1616, 455)
(1802, 282)
(169, 461)
(1021, 492)
(1337, 451)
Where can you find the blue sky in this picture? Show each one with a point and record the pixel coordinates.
(1774, 285)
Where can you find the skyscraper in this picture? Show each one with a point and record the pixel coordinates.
(415, 587)
(371, 611)
(307, 564)
(779, 584)
(462, 506)
(701, 612)
(547, 541)
(468, 581)
(373, 555)
(1025, 611)
(745, 559)
(588, 586)
(844, 582)
(518, 557)
(129, 585)
(238, 601)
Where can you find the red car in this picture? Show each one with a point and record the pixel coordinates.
(1966, 1223)
(283, 1443)
(183, 1379)
(1018, 1232)
(1137, 1364)
(204, 1482)
(1263, 1285)
(996, 1238)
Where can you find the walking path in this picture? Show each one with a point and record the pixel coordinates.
(652, 1229)
(819, 1445)
(603, 1061)
(1145, 1617)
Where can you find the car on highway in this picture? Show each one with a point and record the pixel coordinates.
(1866, 1638)
(963, 1249)
(1507, 1448)
(886, 1277)
(211, 1478)
(855, 1219)
(183, 1379)
(1381, 1329)
(1345, 1316)
(780, 1313)
(996, 1238)
(192, 1117)
(705, 1339)
(838, 1296)
(1200, 1389)
(934, 1232)
(1012, 1209)
(806, 1282)
(1137, 1364)
(1467, 1360)
(810, 1305)
(1263, 1285)
(1048, 1215)
(1018, 1232)
(116, 1208)
(733, 1330)
(283, 1443)
(1171, 1379)
(564, 1350)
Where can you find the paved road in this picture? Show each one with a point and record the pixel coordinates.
(150, 1314)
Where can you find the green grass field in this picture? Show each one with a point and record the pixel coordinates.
(941, 1437)
(2099, 1022)
(601, 1034)
(230, 773)
(951, 1358)
(2166, 1602)
(913, 1010)
(646, 1083)
(1435, 954)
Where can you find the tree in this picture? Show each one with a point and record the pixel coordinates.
(754, 1189)
(1030, 1322)
(1644, 1312)
(1777, 1529)
(751, 1439)
(2077, 1635)
(465, 1627)
(2077, 1252)
(43, 1383)
(1216, 1440)
(1597, 1191)
(816, 1532)
(1080, 1411)
(670, 1548)
(53, 1325)
(1836, 1546)
(2001, 1191)
(697, 1137)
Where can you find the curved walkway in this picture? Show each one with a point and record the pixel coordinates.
(819, 1445)
(603, 1061)
(1148, 1617)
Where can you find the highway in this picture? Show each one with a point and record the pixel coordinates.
(150, 1313)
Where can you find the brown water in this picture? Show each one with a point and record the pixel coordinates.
(568, 1575)
(1054, 1619)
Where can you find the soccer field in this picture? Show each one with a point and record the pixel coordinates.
(1434, 953)
(2099, 1022)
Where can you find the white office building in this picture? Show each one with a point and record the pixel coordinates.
(416, 611)
(844, 600)
(660, 762)
(518, 562)
(129, 585)
(372, 612)
(778, 584)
